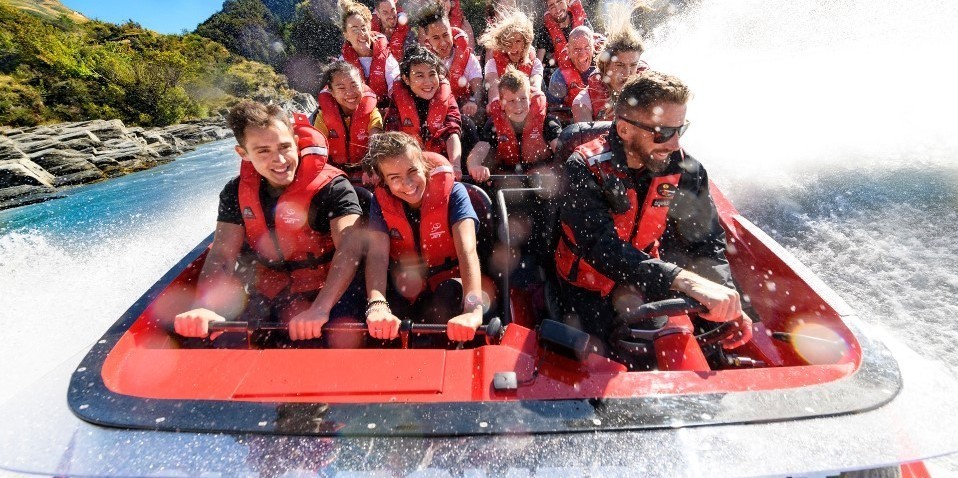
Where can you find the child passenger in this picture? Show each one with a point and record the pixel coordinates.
(422, 226)
(518, 133)
(425, 108)
(347, 117)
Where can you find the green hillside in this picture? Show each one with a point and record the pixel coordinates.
(47, 9)
(62, 70)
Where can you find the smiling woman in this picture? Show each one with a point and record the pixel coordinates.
(166, 16)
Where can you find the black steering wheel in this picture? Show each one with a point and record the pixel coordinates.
(639, 340)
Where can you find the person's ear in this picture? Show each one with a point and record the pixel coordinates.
(242, 152)
(621, 129)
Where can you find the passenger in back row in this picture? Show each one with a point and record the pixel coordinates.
(451, 44)
(618, 60)
(571, 78)
(423, 107)
(508, 41)
(423, 227)
(637, 223)
(289, 210)
(367, 51)
(518, 133)
(347, 117)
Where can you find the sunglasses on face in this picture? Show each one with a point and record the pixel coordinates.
(661, 134)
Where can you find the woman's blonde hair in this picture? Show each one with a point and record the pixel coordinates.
(620, 34)
(348, 8)
(511, 22)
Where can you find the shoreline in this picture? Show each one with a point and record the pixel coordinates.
(38, 163)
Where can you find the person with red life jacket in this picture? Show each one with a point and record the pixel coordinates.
(508, 41)
(452, 45)
(366, 50)
(619, 59)
(347, 116)
(637, 223)
(570, 79)
(458, 19)
(518, 135)
(423, 106)
(560, 17)
(287, 212)
(391, 21)
(422, 236)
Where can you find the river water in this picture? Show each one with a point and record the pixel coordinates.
(829, 124)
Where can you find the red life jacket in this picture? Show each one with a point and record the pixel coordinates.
(437, 249)
(341, 153)
(435, 120)
(641, 227)
(502, 61)
(377, 69)
(398, 39)
(533, 145)
(558, 37)
(460, 59)
(600, 93)
(573, 83)
(291, 256)
(455, 13)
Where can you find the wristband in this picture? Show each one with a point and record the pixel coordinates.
(373, 303)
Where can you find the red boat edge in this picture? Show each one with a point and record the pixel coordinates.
(137, 376)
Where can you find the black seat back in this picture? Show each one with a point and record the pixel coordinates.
(578, 134)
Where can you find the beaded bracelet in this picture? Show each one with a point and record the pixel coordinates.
(374, 303)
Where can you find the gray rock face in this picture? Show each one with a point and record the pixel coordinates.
(37, 162)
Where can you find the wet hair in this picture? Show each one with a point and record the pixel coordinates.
(513, 80)
(511, 22)
(621, 40)
(650, 88)
(337, 66)
(420, 55)
(249, 113)
(434, 12)
(348, 8)
(387, 145)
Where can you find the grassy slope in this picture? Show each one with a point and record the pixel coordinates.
(49, 9)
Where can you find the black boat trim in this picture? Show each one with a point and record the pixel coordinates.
(876, 382)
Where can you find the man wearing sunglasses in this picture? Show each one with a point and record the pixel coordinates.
(637, 221)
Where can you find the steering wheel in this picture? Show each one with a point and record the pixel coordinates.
(669, 308)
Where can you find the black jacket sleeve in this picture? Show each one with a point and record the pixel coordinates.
(584, 210)
(694, 239)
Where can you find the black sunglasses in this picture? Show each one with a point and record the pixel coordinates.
(661, 134)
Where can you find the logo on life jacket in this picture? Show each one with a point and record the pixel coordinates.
(661, 202)
(406, 122)
(665, 190)
(436, 231)
(503, 138)
(248, 213)
(289, 216)
(333, 134)
(395, 234)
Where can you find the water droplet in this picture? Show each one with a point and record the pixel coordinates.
(84, 406)
(262, 424)
(81, 369)
(160, 420)
(371, 426)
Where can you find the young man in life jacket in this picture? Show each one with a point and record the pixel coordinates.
(365, 50)
(423, 107)
(347, 116)
(637, 223)
(391, 21)
(508, 41)
(518, 135)
(571, 78)
(289, 211)
(619, 59)
(451, 44)
(422, 229)
(561, 16)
